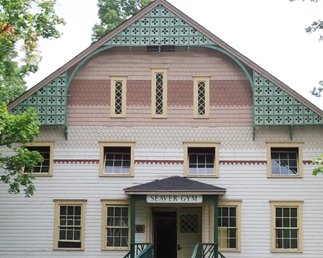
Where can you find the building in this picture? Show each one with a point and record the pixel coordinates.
(162, 136)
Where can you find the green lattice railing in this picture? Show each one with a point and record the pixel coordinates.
(205, 250)
(160, 27)
(273, 106)
(49, 102)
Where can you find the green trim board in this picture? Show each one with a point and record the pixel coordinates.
(50, 102)
(274, 106)
(160, 27)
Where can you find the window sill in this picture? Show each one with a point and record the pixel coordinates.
(116, 175)
(284, 177)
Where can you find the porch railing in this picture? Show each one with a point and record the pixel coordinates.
(205, 250)
(141, 250)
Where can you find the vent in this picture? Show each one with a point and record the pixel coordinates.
(166, 48)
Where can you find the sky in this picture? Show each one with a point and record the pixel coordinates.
(271, 33)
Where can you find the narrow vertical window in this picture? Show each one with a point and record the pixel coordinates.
(69, 224)
(159, 93)
(201, 97)
(118, 96)
(286, 226)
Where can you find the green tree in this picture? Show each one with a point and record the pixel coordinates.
(15, 130)
(22, 24)
(114, 12)
(319, 161)
(316, 26)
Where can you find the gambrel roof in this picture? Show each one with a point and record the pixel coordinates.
(161, 24)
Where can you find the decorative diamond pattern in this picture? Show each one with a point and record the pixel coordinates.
(189, 223)
(160, 27)
(159, 94)
(49, 102)
(273, 106)
(201, 98)
(118, 98)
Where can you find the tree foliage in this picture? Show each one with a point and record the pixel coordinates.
(22, 24)
(319, 161)
(113, 12)
(16, 130)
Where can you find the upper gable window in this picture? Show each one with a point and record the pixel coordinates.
(284, 160)
(201, 97)
(118, 96)
(45, 149)
(159, 93)
(117, 159)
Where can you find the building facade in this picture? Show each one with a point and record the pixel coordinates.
(162, 140)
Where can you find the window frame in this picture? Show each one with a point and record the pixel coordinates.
(286, 204)
(295, 145)
(153, 92)
(197, 80)
(237, 205)
(214, 145)
(51, 157)
(103, 145)
(69, 202)
(113, 80)
(115, 203)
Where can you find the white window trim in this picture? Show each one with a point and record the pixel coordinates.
(298, 145)
(153, 93)
(237, 205)
(116, 144)
(215, 145)
(114, 79)
(59, 203)
(287, 204)
(51, 157)
(106, 203)
(205, 79)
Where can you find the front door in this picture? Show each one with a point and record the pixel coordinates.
(176, 233)
(188, 231)
(165, 235)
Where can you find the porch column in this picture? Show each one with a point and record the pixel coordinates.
(132, 225)
(216, 226)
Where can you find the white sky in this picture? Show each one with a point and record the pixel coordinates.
(269, 32)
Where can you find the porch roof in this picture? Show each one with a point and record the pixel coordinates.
(175, 185)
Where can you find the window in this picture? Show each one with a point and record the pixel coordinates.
(201, 159)
(69, 224)
(229, 226)
(201, 97)
(284, 160)
(286, 226)
(159, 93)
(118, 96)
(117, 159)
(115, 225)
(45, 149)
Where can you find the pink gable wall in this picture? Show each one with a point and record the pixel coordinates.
(230, 93)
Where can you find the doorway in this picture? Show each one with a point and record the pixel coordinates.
(176, 232)
(165, 234)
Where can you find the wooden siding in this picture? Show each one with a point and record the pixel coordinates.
(27, 224)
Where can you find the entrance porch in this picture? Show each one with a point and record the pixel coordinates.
(181, 219)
